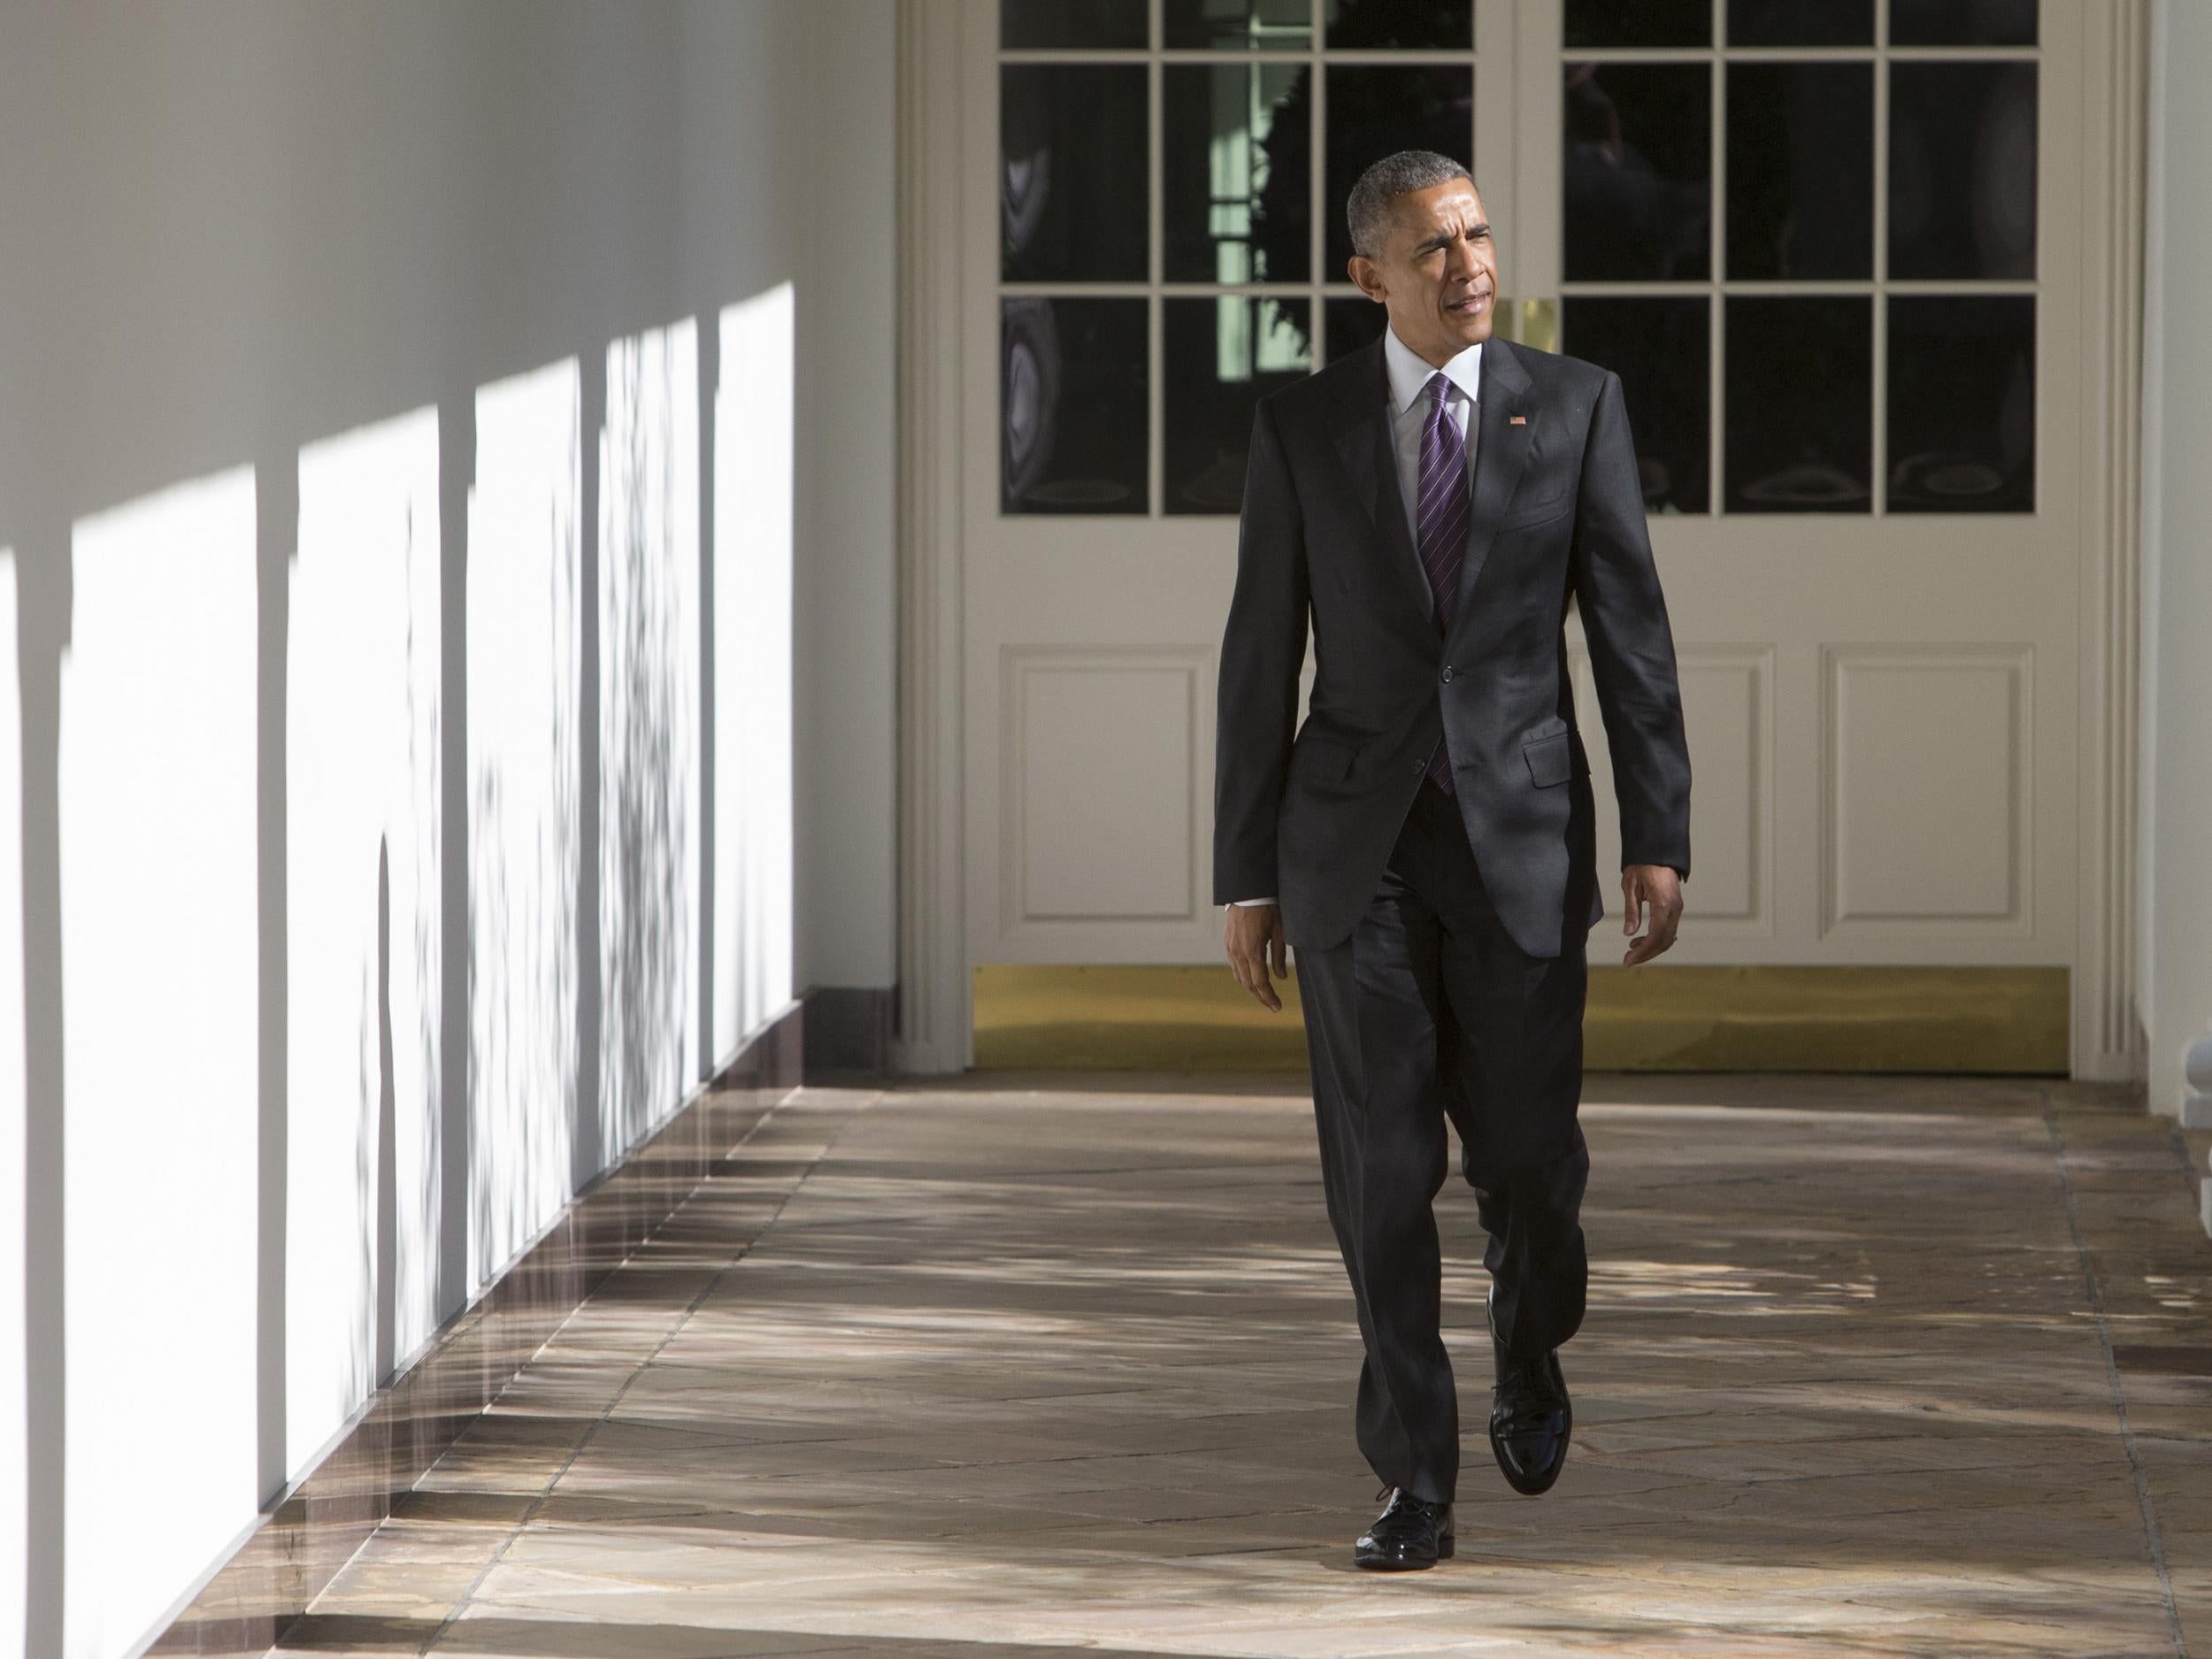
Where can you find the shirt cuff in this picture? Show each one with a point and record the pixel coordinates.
(1237, 903)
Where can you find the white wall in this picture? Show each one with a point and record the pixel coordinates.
(848, 585)
(159, 958)
(14, 1426)
(837, 154)
(2176, 818)
(337, 342)
(363, 661)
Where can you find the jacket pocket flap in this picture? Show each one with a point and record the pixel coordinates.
(1325, 754)
(1524, 513)
(1551, 760)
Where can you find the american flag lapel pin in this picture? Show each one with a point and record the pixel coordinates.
(1517, 420)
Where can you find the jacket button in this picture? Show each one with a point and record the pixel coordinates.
(1447, 676)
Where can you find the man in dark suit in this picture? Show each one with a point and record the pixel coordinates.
(1427, 843)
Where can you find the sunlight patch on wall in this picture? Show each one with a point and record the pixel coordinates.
(361, 759)
(649, 735)
(159, 991)
(14, 1425)
(524, 654)
(753, 874)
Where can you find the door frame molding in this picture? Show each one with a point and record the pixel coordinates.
(934, 1035)
(2109, 1037)
(933, 1031)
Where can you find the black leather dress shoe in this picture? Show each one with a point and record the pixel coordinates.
(1411, 1533)
(1530, 1418)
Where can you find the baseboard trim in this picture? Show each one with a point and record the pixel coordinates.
(1685, 1017)
(849, 1030)
(302, 1540)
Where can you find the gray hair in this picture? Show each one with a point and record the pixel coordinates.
(1368, 209)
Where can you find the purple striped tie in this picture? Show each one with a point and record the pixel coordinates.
(1440, 524)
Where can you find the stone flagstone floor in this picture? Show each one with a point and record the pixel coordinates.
(1872, 1366)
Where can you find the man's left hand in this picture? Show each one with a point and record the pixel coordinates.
(1659, 886)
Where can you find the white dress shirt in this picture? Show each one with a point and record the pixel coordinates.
(1410, 376)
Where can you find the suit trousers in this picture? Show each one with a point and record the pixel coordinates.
(1428, 1011)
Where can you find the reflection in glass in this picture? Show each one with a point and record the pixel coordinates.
(1268, 25)
(1800, 170)
(1961, 403)
(1801, 22)
(1659, 348)
(1350, 323)
(1961, 22)
(1226, 218)
(1221, 354)
(1961, 169)
(1799, 404)
(1072, 405)
(1073, 184)
(1375, 109)
(1639, 23)
(1636, 169)
(1356, 24)
(1031, 23)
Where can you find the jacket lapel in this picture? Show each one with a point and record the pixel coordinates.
(1362, 441)
(1501, 457)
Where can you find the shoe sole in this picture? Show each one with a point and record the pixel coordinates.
(1521, 1483)
(1443, 1552)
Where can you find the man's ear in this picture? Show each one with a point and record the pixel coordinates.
(1366, 275)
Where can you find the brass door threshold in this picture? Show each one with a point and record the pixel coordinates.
(1690, 1017)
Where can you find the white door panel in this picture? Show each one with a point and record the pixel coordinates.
(1881, 703)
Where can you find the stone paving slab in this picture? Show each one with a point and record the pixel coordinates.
(1872, 1366)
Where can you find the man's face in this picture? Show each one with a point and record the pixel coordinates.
(1437, 271)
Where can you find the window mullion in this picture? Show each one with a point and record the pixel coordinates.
(1316, 188)
(1879, 335)
(1155, 345)
(1716, 258)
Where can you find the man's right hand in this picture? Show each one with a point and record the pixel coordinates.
(1253, 934)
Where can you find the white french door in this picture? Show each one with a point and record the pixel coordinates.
(1827, 245)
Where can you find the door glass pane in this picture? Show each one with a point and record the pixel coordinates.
(1350, 323)
(1234, 184)
(1800, 170)
(1659, 348)
(1961, 22)
(1961, 403)
(1264, 24)
(1031, 23)
(1639, 23)
(1376, 108)
(1448, 24)
(1072, 405)
(1072, 187)
(1961, 169)
(1637, 165)
(1220, 355)
(1801, 22)
(1799, 404)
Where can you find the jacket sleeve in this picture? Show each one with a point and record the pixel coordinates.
(1631, 649)
(1263, 650)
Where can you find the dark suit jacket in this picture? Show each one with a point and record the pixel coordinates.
(1558, 511)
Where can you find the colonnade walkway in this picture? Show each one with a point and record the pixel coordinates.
(1872, 1366)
